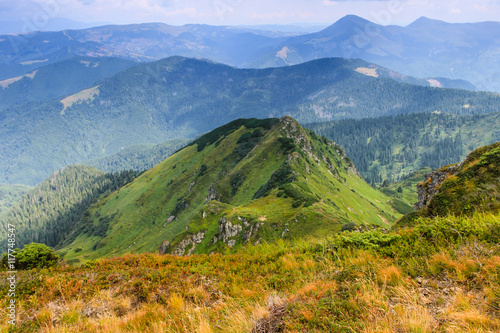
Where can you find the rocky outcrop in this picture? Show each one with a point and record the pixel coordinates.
(427, 189)
(195, 239)
(164, 247)
(169, 220)
(229, 231)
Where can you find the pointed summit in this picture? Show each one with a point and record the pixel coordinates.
(425, 22)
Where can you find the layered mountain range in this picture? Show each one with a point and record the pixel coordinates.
(427, 48)
(180, 97)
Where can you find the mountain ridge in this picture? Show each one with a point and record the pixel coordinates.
(245, 182)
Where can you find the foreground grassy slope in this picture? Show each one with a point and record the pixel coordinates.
(248, 181)
(442, 275)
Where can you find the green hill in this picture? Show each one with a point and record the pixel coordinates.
(470, 186)
(245, 182)
(179, 98)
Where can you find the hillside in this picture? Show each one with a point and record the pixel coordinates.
(438, 274)
(390, 148)
(246, 182)
(59, 79)
(10, 194)
(139, 157)
(423, 279)
(47, 212)
(464, 188)
(179, 97)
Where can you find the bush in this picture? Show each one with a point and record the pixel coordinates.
(33, 255)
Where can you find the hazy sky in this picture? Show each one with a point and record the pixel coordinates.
(234, 12)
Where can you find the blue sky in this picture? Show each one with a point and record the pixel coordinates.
(244, 12)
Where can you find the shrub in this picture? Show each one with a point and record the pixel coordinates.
(34, 255)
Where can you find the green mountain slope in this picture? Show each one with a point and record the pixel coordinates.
(47, 212)
(404, 192)
(248, 181)
(466, 188)
(179, 97)
(389, 148)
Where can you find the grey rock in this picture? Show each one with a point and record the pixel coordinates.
(164, 247)
(194, 239)
(212, 195)
(430, 187)
(227, 229)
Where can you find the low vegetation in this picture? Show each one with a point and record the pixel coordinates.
(442, 275)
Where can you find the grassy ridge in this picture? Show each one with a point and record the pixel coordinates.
(268, 182)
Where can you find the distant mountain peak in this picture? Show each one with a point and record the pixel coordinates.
(352, 18)
(424, 21)
(347, 23)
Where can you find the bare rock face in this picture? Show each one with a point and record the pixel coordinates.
(228, 230)
(427, 189)
(164, 247)
(195, 239)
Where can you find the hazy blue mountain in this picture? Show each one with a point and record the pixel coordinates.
(425, 48)
(290, 29)
(181, 98)
(59, 79)
(238, 46)
(55, 24)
